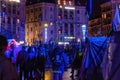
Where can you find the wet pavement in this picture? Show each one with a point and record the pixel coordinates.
(66, 75)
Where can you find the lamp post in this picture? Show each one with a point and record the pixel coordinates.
(46, 31)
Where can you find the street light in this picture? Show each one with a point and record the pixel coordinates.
(46, 31)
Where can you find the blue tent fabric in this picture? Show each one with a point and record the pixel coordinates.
(95, 48)
(114, 73)
(116, 20)
(95, 51)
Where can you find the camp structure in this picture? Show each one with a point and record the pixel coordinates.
(111, 61)
(95, 48)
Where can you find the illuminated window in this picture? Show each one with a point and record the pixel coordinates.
(58, 1)
(70, 2)
(18, 20)
(36, 32)
(64, 2)
(59, 31)
(119, 6)
(104, 15)
(51, 24)
(78, 40)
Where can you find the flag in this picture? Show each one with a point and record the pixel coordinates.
(116, 20)
(89, 8)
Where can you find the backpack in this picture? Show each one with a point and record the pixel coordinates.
(57, 60)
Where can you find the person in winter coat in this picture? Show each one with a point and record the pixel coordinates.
(7, 69)
(30, 63)
(58, 64)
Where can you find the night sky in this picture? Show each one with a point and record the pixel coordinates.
(96, 10)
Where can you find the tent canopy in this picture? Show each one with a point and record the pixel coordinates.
(96, 47)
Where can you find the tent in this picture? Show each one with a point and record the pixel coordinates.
(95, 48)
(111, 61)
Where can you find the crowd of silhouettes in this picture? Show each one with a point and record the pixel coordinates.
(31, 61)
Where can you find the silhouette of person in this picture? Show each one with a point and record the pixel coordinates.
(58, 68)
(7, 69)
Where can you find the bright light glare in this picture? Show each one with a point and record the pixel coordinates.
(83, 28)
(60, 6)
(78, 40)
(15, 0)
(45, 25)
(60, 43)
(72, 8)
(69, 37)
(21, 42)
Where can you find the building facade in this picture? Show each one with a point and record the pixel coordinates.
(103, 25)
(60, 21)
(40, 23)
(94, 28)
(12, 19)
(108, 12)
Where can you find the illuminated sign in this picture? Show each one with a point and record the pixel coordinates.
(15, 0)
(84, 31)
(60, 43)
(71, 8)
(69, 37)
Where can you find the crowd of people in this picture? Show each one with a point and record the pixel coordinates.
(30, 62)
